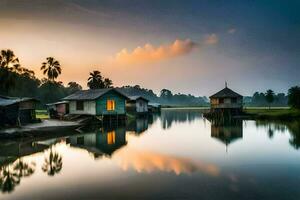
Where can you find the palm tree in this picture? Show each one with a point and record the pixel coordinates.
(53, 163)
(51, 68)
(95, 81)
(9, 60)
(107, 83)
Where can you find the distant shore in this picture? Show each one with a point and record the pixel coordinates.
(273, 113)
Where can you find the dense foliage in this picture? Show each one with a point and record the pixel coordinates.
(166, 97)
(97, 81)
(16, 80)
(266, 99)
(294, 97)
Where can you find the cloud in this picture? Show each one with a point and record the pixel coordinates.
(150, 53)
(231, 31)
(211, 39)
(145, 161)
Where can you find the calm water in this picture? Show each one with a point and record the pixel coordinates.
(177, 155)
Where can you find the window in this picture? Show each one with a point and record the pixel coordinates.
(111, 137)
(79, 105)
(234, 100)
(110, 105)
(221, 100)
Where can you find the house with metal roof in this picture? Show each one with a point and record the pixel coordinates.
(97, 102)
(226, 100)
(17, 111)
(137, 105)
(58, 110)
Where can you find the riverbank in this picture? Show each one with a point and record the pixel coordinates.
(273, 113)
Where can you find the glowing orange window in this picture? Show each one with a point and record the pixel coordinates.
(111, 137)
(110, 104)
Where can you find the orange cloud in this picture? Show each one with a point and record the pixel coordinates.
(150, 53)
(211, 39)
(142, 161)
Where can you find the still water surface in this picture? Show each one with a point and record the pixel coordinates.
(175, 155)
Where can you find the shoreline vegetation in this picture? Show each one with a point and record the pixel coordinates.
(272, 113)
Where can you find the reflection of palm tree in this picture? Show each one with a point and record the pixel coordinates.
(11, 174)
(53, 163)
(24, 169)
(9, 178)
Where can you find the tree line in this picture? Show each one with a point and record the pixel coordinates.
(270, 98)
(18, 81)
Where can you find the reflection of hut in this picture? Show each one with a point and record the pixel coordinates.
(226, 100)
(58, 109)
(17, 111)
(102, 142)
(11, 152)
(138, 125)
(137, 105)
(227, 131)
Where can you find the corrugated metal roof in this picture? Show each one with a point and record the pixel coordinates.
(134, 98)
(226, 92)
(57, 103)
(154, 104)
(91, 94)
(6, 101)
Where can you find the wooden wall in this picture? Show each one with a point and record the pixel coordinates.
(119, 104)
(89, 108)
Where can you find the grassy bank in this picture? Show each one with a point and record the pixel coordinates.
(273, 113)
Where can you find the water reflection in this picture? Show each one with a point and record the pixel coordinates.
(227, 130)
(52, 163)
(130, 155)
(139, 125)
(12, 173)
(147, 161)
(293, 127)
(174, 116)
(101, 141)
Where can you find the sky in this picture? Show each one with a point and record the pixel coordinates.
(190, 46)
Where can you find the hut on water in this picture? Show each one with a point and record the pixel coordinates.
(137, 105)
(226, 101)
(98, 102)
(17, 111)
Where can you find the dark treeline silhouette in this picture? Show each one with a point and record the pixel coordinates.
(267, 99)
(18, 81)
(166, 97)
